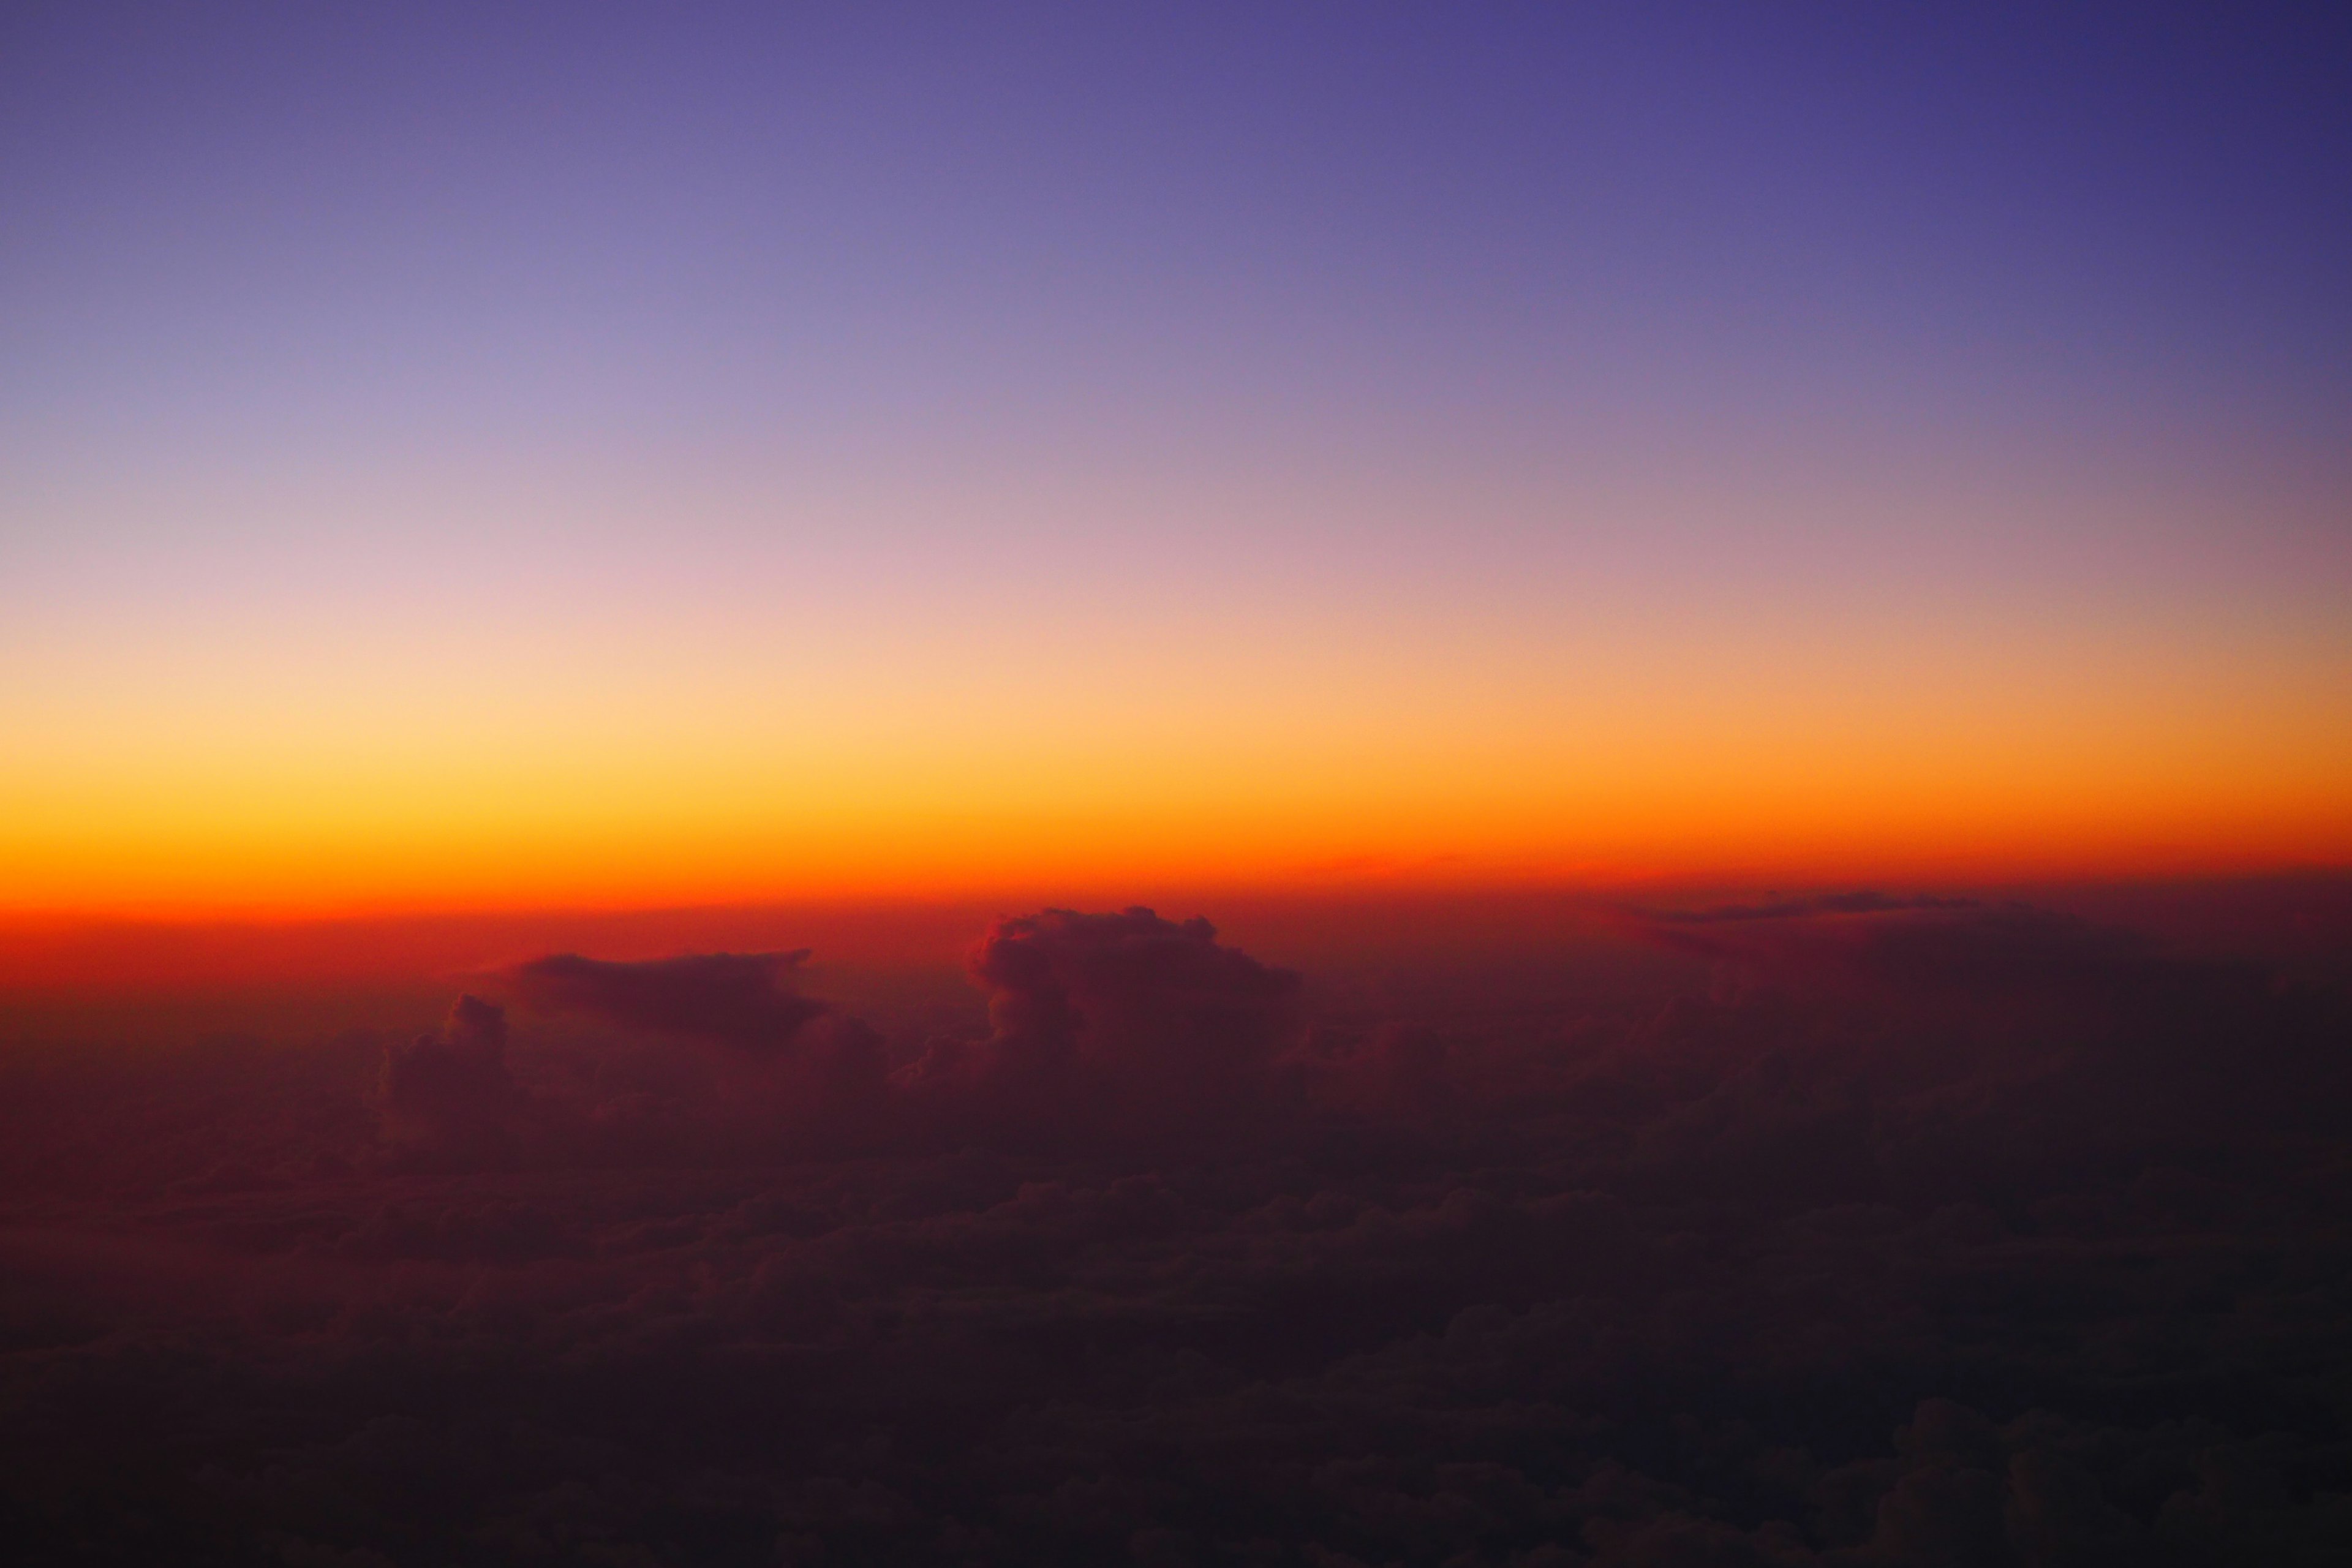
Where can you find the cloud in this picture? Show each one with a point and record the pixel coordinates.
(1864, 903)
(451, 1092)
(1133, 990)
(742, 999)
(1116, 1029)
(1920, 949)
(1869, 1262)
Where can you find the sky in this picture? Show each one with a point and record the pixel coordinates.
(461, 458)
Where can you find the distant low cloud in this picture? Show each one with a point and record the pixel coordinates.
(744, 1000)
(1864, 903)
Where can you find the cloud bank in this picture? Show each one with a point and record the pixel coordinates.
(1896, 1232)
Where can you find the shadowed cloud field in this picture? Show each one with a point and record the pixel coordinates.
(1845, 1229)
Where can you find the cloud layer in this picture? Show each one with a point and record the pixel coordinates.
(1905, 1233)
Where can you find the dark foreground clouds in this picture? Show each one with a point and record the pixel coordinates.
(1882, 1232)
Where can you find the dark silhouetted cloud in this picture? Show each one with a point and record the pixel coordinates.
(1131, 990)
(745, 1000)
(1864, 903)
(450, 1090)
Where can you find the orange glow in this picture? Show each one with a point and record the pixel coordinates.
(587, 826)
(1489, 734)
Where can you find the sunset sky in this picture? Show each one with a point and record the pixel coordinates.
(615, 456)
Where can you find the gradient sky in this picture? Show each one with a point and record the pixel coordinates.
(492, 455)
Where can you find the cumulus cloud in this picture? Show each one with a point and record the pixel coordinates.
(1123, 1027)
(1133, 992)
(450, 1090)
